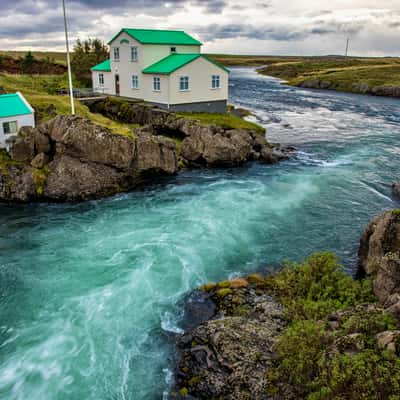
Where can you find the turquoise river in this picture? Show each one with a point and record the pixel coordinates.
(91, 294)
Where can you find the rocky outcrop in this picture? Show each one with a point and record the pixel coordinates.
(379, 258)
(73, 159)
(227, 356)
(202, 145)
(360, 88)
(396, 189)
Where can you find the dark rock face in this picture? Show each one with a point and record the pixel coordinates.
(379, 258)
(202, 145)
(228, 356)
(72, 159)
(396, 189)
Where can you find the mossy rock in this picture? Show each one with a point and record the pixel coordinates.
(238, 283)
(224, 284)
(224, 292)
(208, 287)
(256, 279)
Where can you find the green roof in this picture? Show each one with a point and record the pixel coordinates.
(12, 105)
(104, 66)
(175, 61)
(156, 36)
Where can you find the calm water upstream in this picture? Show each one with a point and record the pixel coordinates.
(88, 291)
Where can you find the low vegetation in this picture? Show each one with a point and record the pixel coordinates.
(343, 74)
(227, 121)
(329, 349)
(40, 92)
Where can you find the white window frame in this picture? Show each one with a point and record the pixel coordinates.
(8, 124)
(215, 82)
(116, 54)
(135, 82)
(134, 54)
(156, 84)
(184, 85)
(101, 79)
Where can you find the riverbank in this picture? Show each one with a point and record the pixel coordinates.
(70, 158)
(308, 331)
(378, 77)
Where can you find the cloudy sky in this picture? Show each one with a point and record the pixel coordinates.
(226, 26)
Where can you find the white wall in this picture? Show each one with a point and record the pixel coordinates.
(200, 73)
(154, 96)
(147, 55)
(108, 86)
(22, 120)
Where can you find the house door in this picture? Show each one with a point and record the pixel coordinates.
(117, 85)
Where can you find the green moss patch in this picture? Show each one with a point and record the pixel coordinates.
(40, 178)
(226, 121)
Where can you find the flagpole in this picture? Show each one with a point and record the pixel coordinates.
(71, 92)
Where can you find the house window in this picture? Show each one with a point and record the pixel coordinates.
(156, 84)
(10, 128)
(173, 49)
(101, 79)
(134, 53)
(116, 53)
(135, 82)
(184, 83)
(216, 82)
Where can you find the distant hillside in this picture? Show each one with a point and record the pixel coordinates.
(53, 56)
(14, 63)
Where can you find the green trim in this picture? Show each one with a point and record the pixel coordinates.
(156, 36)
(170, 64)
(173, 62)
(12, 105)
(105, 66)
(124, 41)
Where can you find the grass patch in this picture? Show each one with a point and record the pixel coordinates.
(40, 91)
(344, 79)
(314, 360)
(226, 121)
(6, 162)
(342, 73)
(40, 178)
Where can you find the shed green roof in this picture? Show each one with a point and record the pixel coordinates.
(104, 66)
(12, 105)
(157, 36)
(174, 62)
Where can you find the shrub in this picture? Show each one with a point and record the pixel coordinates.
(315, 362)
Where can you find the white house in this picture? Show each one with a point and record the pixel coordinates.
(165, 68)
(15, 112)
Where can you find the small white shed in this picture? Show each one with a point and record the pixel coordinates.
(15, 112)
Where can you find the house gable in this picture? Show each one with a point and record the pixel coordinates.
(173, 62)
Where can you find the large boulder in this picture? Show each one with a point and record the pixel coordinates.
(228, 148)
(24, 147)
(379, 258)
(82, 139)
(70, 179)
(156, 154)
(228, 347)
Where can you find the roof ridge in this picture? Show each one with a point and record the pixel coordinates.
(9, 94)
(149, 29)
